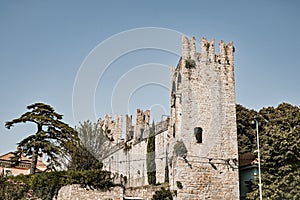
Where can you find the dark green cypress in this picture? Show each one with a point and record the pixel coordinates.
(151, 166)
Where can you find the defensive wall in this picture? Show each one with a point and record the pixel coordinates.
(202, 120)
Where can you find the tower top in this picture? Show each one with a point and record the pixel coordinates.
(207, 52)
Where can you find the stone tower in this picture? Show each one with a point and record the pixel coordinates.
(203, 117)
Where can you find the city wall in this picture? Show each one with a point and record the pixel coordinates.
(202, 119)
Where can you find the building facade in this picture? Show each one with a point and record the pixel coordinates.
(8, 168)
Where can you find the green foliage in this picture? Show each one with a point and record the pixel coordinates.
(180, 149)
(82, 159)
(245, 129)
(150, 157)
(51, 137)
(167, 169)
(46, 185)
(93, 139)
(93, 145)
(279, 130)
(162, 194)
(13, 189)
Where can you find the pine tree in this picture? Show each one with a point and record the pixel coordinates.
(51, 138)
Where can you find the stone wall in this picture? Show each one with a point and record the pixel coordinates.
(203, 100)
(141, 124)
(76, 192)
(202, 116)
(145, 193)
(131, 162)
(112, 127)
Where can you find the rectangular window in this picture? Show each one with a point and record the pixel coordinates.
(198, 134)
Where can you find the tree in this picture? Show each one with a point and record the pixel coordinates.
(92, 137)
(82, 159)
(51, 138)
(279, 142)
(150, 157)
(245, 129)
(93, 146)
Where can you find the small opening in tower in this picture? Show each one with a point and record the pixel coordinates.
(198, 134)
(173, 130)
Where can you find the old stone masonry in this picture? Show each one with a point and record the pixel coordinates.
(196, 145)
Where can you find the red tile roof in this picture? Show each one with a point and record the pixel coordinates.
(8, 156)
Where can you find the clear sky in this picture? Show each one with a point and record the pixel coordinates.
(45, 45)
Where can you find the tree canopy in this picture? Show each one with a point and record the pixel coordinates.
(51, 138)
(279, 130)
(93, 145)
(245, 129)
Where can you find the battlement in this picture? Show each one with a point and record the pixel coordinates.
(207, 53)
(112, 127)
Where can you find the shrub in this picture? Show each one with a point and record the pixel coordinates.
(163, 194)
(46, 185)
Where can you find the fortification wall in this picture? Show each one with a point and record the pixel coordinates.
(202, 116)
(129, 159)
(203, 102)
(76, 192)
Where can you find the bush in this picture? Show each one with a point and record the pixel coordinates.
(163, 194)
(46, 185)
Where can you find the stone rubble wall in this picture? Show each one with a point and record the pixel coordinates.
(76, 192)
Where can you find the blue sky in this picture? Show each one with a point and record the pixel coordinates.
(43, 44)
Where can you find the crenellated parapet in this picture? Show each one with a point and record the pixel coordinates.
(129, 132)
(112, 128)
(207, 52)
(141, 123)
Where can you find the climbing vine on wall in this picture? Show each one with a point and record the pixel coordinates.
(151, 166)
